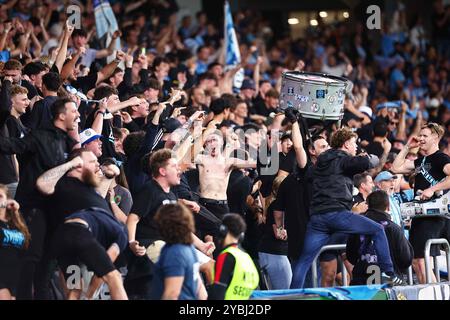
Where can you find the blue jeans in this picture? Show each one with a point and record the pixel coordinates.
(308, 282)
(322, 226)
(278, 269)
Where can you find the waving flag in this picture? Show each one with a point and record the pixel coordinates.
(105, 21)
(232, 54)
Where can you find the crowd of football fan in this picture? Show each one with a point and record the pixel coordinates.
(147, 167)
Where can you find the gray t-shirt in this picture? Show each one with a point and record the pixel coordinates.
(87, 58)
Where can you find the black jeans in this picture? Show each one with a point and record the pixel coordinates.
(217, 207)
(34, 272)
(206, 223)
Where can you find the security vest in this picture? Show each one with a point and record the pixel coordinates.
(245, 276)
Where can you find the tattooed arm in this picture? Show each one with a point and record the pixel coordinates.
(47, 181)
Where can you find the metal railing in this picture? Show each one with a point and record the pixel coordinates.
(339, 247)
(436, 264)
(410, 276)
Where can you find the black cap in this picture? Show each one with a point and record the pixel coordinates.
(248, 84)
(171, 124)
(350, 116)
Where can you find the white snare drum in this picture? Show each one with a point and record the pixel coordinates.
(314, 95)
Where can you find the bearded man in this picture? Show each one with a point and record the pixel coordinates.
(77, 191)
(76, 185)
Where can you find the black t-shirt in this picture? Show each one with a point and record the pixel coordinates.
(8, 172)
(146, 203)
(86, 83)
(294, 198)
(140, 122)
(262, 109)
(72, 195)
(10, 237)
(15, 127)
(183, 190)
(10, 127)
(41, 115)
(264, 162)
(193, 178)
(32, 90)
(269, 244)
(239, 187)
(375, 148)
(287, 161)
(11, 253)
(257, 105)
(358, 199)
(431, 166)
(440, 31)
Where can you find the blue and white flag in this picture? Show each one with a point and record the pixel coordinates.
(232, 53)
(105, 21)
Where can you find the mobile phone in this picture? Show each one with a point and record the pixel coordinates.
(143, 51)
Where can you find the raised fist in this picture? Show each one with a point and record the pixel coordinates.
(77, 162)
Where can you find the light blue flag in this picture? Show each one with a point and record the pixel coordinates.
(337, 293)
(105, 20)
(232, 54)
(105, 23)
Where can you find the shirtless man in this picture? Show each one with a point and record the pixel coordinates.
(214, 171)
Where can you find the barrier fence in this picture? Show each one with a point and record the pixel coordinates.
(428, 271)
(333, 247)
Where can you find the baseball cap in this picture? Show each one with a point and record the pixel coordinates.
(384, 175)
(171, 124)
(367, 110)
(88, 135)
(350, 116)
(434, 103)
(248, 84)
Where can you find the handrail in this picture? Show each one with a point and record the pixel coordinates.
(330, 247)
(436, 266)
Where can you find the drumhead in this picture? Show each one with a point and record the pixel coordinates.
(314, 95)
(315, 77)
